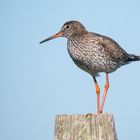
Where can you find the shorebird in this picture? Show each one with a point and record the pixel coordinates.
(93, 53)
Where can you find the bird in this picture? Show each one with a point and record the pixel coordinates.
(93, 53)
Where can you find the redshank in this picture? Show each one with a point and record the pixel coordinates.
(93, 53)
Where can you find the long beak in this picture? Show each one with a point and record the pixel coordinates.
(59, 34)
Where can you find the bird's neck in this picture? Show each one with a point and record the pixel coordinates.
(77, 35)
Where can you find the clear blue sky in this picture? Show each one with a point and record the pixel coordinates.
(37, 82)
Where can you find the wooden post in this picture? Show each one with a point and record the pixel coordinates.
(85, 127)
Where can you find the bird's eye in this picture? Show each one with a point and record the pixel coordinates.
(67, 26)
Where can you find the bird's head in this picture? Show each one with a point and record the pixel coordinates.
(68, 30)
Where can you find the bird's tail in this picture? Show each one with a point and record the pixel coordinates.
(133, 57)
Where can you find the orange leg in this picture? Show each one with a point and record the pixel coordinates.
(98, 95)
(105, 92)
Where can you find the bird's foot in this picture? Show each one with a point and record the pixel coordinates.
(100, 112)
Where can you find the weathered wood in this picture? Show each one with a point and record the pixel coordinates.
(85, 127)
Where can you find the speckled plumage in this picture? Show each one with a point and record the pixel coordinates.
(93, 53)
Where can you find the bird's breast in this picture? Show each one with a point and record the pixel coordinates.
(81, 56)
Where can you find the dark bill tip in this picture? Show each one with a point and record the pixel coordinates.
(45, 40)
(59, 34)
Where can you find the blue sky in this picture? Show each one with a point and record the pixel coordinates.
(40, 81)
